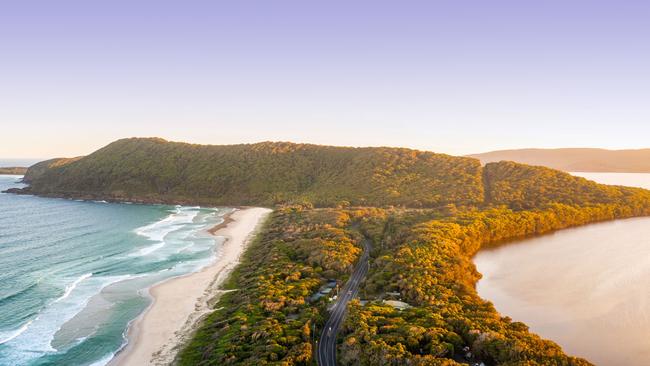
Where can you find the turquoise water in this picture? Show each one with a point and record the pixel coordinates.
(74, 274)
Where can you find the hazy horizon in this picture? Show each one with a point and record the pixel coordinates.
(22, 160)
(445, 77)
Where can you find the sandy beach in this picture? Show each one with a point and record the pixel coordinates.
(178, 304)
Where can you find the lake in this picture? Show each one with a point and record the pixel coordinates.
(587, 288)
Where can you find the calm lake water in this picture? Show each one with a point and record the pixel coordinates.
(588, 288)
(74, 274)
(641, 180)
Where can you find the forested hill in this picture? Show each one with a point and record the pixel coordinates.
(37, 170)
(155, 170)
(576, 160)
(262, 174)
(13, 170)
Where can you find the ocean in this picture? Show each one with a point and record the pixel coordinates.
(73, 274)
(18, 162)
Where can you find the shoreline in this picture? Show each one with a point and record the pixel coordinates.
(200, 201)
(179, 304)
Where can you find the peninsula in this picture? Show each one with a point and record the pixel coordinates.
(13, 170)
(415, 217)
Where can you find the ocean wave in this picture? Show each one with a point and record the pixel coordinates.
(158, 230)
(35, 337)
(68, 314)
(10, 335)
(148, 250)
(185, 248)
(72, 286)
(187, 208)
(19, 292)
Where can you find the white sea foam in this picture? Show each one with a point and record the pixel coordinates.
(182, 249)
(37, 336)
(68, 290)
(158, 230)
(186, 226)
(8, 336)
(148, 250)
(72, 286)
(66, 311)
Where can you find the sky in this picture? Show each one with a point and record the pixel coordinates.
(458, 77)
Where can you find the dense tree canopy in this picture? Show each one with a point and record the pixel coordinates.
(427, 215)
(154, 170)
(268, 317)
(425, 256)
(13, 170)
(263, 174)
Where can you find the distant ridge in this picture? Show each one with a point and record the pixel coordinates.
(13, 170)
(576, 159)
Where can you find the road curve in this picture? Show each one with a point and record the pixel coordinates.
(326, 351)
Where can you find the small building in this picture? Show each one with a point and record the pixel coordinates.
(315, 297)
(323, 291)
(399, 305)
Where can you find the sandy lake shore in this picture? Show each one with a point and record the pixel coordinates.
(179, 303)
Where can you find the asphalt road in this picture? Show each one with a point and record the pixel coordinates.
(326, 352)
